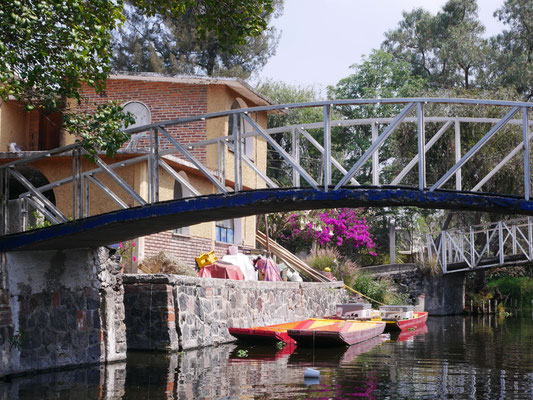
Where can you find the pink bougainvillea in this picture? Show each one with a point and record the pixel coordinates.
(336, 227)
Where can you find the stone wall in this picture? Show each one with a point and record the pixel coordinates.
(167, 312)
(60, 308)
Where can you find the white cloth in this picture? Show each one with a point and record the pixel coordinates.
(244, 263)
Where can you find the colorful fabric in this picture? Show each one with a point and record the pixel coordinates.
(269, 269)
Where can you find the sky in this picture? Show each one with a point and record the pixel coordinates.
(320, 39)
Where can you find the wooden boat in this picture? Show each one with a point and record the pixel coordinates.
(269, 334)
(328, 332)
(396, 325)
(272, 334)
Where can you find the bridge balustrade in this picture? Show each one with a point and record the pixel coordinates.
(501, 243)
(334, 166)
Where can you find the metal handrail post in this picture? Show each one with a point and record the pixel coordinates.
(421, 147)
(4, 199)
(155, 165)
(375, 155)
(74, 185)
(527, 170)
(457, 142)
(295, 142)
(444, 253)
(327, 147)
(237, 153)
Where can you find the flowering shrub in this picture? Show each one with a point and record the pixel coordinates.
(335, 227)
(125, 251)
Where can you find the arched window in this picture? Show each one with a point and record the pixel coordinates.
(34, 216)
(180, 191)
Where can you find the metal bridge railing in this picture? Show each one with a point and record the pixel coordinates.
(482, 246)
(333, 172)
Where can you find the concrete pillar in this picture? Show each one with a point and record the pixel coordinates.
(66, 309)
(445, 294)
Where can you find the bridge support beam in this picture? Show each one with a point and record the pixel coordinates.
(59, 309)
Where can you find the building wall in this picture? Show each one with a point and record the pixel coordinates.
(166, 101)
(13, 126)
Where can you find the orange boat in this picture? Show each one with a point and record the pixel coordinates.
(323, 332)
(328, 332)
(269, 334)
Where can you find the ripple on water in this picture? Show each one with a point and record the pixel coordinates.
(458, 357)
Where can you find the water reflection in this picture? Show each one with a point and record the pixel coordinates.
(454, 357)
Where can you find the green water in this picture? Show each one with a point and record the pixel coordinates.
(455, 358)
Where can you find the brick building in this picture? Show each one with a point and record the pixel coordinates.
(151, 99)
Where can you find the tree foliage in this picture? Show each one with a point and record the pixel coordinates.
(170, 44)
(378, 75)
(512, 63)
(282, 93)
(447, 49)
(50, 48)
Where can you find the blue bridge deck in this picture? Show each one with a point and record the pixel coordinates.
(130, 223)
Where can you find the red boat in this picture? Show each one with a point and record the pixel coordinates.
(396, 325)
(327, 332)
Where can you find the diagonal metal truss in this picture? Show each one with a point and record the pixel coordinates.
(329, 173)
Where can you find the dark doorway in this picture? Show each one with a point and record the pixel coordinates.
(49, 130)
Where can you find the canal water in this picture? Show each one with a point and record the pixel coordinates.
(453, 358)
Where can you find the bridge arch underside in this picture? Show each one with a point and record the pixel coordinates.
(130, 223)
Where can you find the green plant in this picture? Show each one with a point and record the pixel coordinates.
(40, 221)
(514, 288)
(380, 290)
(323, 258)
(281, 345)
(331, 258)
(242, 353)
(17, 340)
(125, 251)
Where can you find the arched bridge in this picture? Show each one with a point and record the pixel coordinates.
(325, 164)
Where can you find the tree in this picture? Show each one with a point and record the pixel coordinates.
(168, 44)
(49, 49)
(378, 75)
(446, 49)
(512, 65)
(282, 93)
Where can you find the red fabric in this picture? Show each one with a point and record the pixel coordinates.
(221, 271)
